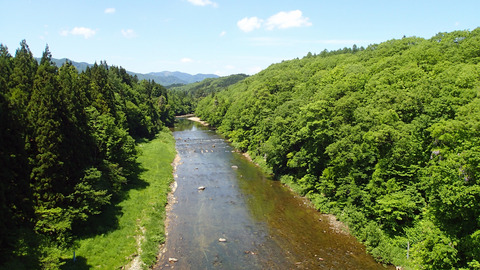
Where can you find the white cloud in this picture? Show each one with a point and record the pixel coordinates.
(128, 33)
(283, 20)
(203, 3)
(223, 33)
(186, 60)
(79, 31)
(249, 24)
(110, 10)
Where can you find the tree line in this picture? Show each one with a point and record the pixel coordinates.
(67, 146)
(188, 95)
(385, 137)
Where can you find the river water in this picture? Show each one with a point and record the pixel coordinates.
(243, 219)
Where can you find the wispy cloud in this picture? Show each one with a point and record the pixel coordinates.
(186, 60)
(249, 24)
(203, 3)
(79, 31)
(110, 10)
(128, 33)
(223, 33)
(281, 20)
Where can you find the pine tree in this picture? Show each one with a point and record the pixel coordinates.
(21, 80)
(14, 182)
(102, 93)
(86, 196)
(48, 171)
(6, 68)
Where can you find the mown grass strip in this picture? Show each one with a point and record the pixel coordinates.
(140, 215)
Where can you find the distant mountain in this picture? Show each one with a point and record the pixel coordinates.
(168, 78)
(164, 78)
(187, 78)
(80, 66)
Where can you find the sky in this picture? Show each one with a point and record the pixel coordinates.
(220, 37)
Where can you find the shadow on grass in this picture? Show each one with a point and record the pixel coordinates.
(107, 221)
(80, 263)
(141, 140)
(23, 251)
(26, 250)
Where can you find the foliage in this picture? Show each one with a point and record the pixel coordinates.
(67, 148)
(139, 216)
(386, 137)
(187, 96)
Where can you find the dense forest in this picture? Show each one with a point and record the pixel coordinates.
(386, 137)
(67, 148)
(188, 95)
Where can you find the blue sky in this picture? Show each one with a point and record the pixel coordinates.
(219, 36)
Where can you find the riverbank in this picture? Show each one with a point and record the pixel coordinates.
(138, 221)
(194, 118)
(171, 200)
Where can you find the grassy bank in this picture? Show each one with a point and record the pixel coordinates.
(135, 226)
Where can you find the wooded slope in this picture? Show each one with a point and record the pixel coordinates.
(67, 150)
(387, 138)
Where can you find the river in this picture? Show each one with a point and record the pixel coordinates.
(242, 219)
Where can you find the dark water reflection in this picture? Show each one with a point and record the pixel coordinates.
(264, 224)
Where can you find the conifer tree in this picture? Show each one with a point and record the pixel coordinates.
(14, 182)
(22, 77)
(48, 168)
(6, 170)
(85, 195)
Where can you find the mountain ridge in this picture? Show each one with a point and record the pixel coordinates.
(164, 78)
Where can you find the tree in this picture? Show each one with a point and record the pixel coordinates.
(49, 178)
(21, 81)
(14, 180)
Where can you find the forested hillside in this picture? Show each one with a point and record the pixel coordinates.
(187, 96)
(67, 148)
(386, 137)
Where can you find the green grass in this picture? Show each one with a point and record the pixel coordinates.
(141, 212)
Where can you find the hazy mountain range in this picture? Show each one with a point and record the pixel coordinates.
(164, 78)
